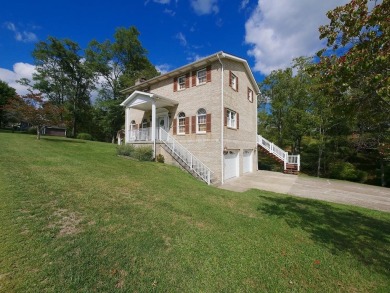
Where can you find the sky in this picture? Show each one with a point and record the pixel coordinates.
(267, 33)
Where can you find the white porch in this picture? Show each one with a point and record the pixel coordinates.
(160, 116)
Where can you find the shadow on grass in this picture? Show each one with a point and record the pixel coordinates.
(339, 230)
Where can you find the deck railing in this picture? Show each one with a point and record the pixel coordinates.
(279, 153)
(186, 156)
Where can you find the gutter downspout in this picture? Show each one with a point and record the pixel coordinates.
(222, 117)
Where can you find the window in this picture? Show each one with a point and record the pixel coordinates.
(233, 81)
(201, 76)
(250, 95)
(231, 119)
(182, 82)
(144, 123)
(181, 125)
(201, 121)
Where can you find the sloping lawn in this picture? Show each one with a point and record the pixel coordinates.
(77, 218)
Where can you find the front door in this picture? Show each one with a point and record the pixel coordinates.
(163, 122)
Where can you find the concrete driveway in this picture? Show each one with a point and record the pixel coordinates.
(372, 197)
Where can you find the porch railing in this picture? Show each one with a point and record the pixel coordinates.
(142, 134)
(186, 156)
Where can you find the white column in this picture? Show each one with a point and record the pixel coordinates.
(154, 127)
(127, 124)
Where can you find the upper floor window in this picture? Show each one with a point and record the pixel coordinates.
(233, 81)
(231, 119)
(182, 82)
(201, 76)
(181, 125)
(201, 121)
(144, 123)
(250, 95)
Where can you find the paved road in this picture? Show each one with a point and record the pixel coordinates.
(337, 191)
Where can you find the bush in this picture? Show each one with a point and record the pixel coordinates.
(346, 171)
(160, 158)
(84, 136)
(125, 150)
(144, 153)
(32, 130)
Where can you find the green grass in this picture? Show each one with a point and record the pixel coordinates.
(77, 218)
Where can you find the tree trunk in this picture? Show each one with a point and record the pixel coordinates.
(383, 180)
(38, 133)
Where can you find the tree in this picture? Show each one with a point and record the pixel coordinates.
(64, 77)
(117, 65)
(290, 103)
(6, 93)
(355, 63)
(32, 108)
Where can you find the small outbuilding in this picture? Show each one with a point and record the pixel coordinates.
(54, 131)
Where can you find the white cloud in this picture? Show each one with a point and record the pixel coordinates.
(21, 36)
(182, 38)
(162, 1)
(202, 7)
(169, 12)
(163, 68)
(20, 70)
(280, 30)
(244, 4)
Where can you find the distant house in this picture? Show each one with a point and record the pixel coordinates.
(202, 116)
(54, 131)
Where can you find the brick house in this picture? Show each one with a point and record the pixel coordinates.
(205, 117)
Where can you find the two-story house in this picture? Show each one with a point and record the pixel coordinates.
(203, 114)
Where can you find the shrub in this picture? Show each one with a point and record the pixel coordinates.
(160, 158)
(32, 130)
(346, 171)
(84, 136)
(125, 150)
(143, 153)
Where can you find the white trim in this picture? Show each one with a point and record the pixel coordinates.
(222, 120)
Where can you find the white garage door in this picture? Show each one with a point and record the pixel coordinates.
(230, 165)
(247, 161)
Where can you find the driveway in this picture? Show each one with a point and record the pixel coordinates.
(344, 192)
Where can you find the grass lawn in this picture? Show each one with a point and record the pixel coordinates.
(77, 218)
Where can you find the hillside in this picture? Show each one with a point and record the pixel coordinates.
(75, 217)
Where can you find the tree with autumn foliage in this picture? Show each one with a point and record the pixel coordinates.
(355, 67)
(32, 108)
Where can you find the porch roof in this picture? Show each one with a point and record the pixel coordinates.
(143, 101)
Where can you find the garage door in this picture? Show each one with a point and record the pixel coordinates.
(230, 165)
(247, 161)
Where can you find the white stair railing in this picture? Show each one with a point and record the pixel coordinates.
(279, 153)
(186, 156)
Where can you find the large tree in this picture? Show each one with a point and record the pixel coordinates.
(64, 77)
(355, 64)
(290, 103)
(6, 93)
(117, 64)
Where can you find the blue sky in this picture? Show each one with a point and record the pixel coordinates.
(267, 33)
